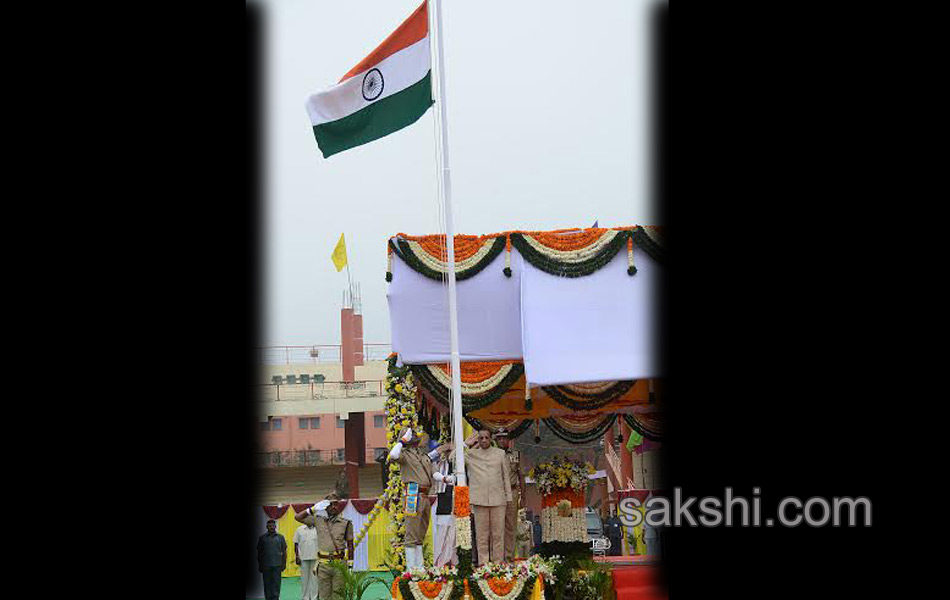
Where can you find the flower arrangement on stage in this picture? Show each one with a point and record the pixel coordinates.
(523, 569)
(561, 473)
(423, 583)
(509, 581)
(562, 483)
(442, 574)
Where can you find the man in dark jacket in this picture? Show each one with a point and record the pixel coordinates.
(537, 533)
(271, 559)
(614, 533)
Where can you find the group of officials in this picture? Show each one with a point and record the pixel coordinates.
(496, 492)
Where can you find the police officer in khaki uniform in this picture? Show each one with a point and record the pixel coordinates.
(334, 542)
(489, 493)
(415, 467)
(517, 493)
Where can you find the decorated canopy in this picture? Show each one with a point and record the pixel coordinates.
(555, 327)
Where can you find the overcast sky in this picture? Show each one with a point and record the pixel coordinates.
(547, 129)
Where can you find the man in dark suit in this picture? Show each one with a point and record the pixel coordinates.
(271, 559)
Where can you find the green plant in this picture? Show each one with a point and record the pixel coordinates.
(355, 583)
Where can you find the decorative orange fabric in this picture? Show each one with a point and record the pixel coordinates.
(395, 588)
(501, 587)
(576, 498)
(430, 589)
(461, 508)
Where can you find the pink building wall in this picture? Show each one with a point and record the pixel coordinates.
(327, 437)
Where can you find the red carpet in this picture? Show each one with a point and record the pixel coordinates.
(637, 583)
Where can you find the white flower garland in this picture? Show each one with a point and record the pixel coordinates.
(463, 532)
(555, 528)
(442, 265)
(573, 256)
(471, 389)
(445, 592)
(486, 589)
(654, 234)
(590, 388)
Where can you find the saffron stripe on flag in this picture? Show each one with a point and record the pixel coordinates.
(413, 29)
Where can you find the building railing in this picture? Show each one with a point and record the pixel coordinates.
(318, 353)
(275, 392)
(309, 458)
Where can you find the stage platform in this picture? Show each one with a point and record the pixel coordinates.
(625, 561)
(635, 577)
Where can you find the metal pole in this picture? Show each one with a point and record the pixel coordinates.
(450, 249)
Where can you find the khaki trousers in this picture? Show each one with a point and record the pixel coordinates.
(490, 532)
(417, 525)
(330, 580)
(511, 525)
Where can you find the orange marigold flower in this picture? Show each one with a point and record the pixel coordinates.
(501, 587)
(430, 589)
(461, 508)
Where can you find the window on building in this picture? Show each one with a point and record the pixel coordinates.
(379, 421)
(341, 454)
(340, 423)
(303, 423)
(265, 426)
(276, 424)
(379, 453)
(314, 422)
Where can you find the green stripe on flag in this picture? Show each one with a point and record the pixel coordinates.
(376, 120)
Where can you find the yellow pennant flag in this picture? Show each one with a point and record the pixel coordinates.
(339, 254)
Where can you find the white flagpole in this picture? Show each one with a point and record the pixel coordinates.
(450, 249)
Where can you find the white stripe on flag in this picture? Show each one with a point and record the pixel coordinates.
(399, 71)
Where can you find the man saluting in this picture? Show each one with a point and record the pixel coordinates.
(334, 542)
(415, 468)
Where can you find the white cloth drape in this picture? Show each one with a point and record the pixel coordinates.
(589, 329)
(489, 314)
(599, 327)
(361, 552)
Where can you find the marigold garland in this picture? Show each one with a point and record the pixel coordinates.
(577, 263)
(501, 587)
(477, 372)
(648, 427)
(575, 398)
(554, 424)
(563, 252)
(401, 413)
(470, 403)
(461, 507)
(434, 266)
(648, 240)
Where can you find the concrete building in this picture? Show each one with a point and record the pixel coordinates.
(304, 410)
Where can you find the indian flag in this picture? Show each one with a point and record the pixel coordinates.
(386, 91)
